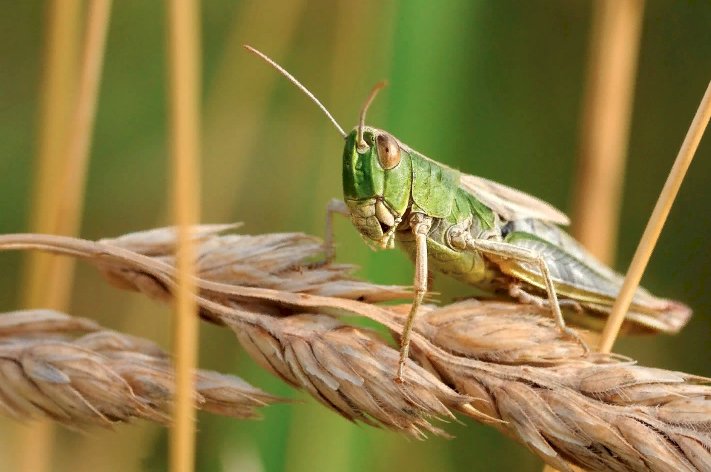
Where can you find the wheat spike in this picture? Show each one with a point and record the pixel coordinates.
(503, 364)
(72, 371)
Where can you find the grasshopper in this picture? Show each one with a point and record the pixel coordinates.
(478, 231)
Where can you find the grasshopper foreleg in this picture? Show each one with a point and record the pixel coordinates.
(420, 225)
(509, 251)
(334, 206)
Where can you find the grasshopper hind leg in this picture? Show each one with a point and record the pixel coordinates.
(504, 251)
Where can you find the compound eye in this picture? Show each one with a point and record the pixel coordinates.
(388, 151)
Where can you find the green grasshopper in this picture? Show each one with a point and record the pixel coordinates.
(478, 231)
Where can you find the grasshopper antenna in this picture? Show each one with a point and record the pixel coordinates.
(293, 80)
(361, 123)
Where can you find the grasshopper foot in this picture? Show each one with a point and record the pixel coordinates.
(572, 304)
(574, 336)
(329, 248)
(398, 378)
(515, 291)
(404, 354)
(329, 252)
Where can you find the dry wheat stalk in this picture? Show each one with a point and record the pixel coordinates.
(99, 377)
(501, 363)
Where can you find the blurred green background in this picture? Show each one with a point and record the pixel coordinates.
(491, 87)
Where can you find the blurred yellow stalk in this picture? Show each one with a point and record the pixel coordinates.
(607, 111)
(184, 79)
(65, 137)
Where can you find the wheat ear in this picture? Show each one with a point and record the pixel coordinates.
(500, 363)
(72, 371)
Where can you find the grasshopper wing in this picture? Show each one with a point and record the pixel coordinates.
(578, 276)
(509, 203)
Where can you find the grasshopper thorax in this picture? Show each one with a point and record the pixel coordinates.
(377, 181)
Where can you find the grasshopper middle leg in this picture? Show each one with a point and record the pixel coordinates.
(420, 226)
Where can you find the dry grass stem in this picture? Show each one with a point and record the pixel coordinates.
(503, 364)
(614, 45)
(184, 73)
(72, 177)
(72, 371)
(59, 76)
(656, 221)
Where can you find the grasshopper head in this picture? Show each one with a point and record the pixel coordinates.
(377, 179)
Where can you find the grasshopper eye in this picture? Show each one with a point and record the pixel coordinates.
(388, 151)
